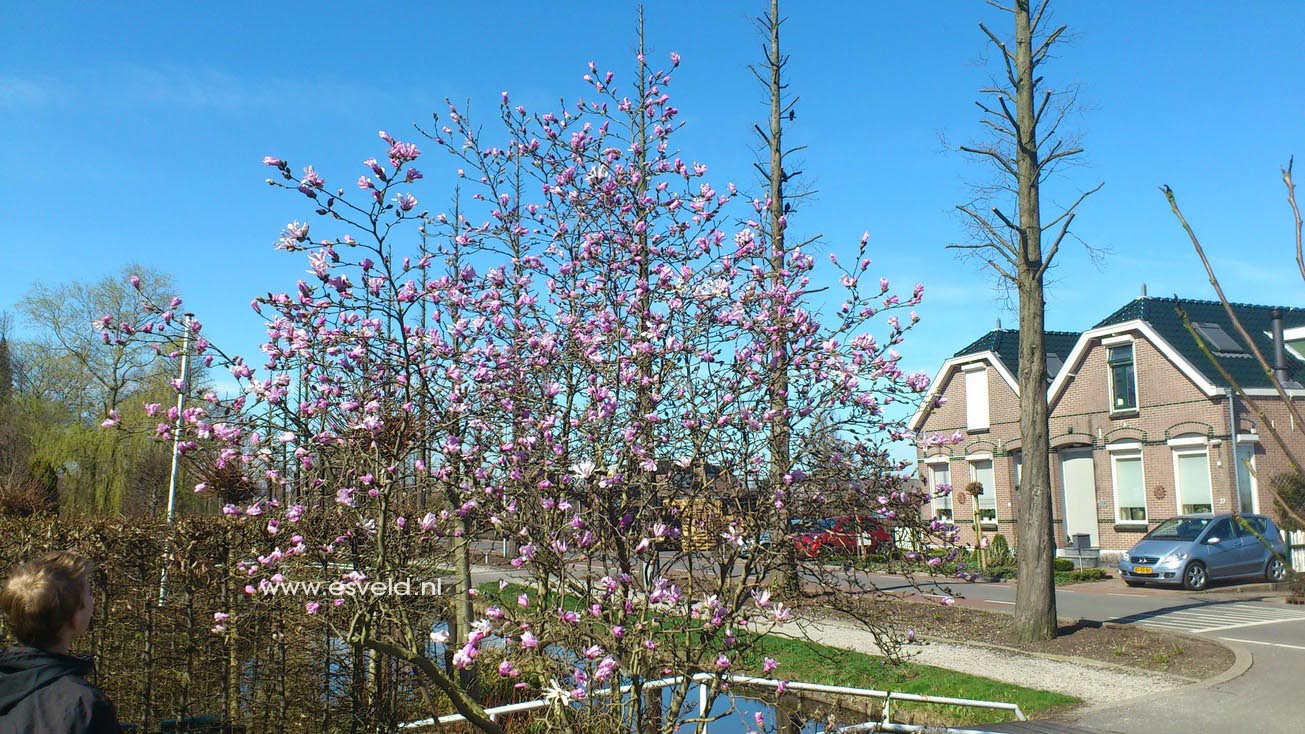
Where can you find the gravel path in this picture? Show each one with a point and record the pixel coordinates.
(1095, 684)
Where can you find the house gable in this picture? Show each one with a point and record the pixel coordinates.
(949, 384)
(1140, 331)
(1159, 379)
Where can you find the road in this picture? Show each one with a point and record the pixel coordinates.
(1266, 699)
(1218, 610)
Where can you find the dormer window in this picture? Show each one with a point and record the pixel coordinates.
(1123, 378)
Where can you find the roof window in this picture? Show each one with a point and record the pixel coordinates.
(1218, 339)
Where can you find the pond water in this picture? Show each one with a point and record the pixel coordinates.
(737, 714)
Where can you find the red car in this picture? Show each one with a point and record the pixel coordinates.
(846, 535)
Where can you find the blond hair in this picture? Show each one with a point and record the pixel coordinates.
(42, 595)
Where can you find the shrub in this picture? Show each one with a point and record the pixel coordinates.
(999, 551)
(1005, 571)
(1088, 574)
(1063, 564)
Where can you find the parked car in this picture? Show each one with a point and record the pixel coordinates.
(1192, 550)
(845, 535)
(762, 538)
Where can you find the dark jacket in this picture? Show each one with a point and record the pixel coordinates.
(46, 692)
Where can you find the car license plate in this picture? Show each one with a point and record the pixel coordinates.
(1142, 569)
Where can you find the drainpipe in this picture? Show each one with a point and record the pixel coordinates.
(1232, 441)
(1279, 355)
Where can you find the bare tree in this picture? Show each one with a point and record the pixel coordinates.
(777, 208)
(1025, 119)
(76, 364)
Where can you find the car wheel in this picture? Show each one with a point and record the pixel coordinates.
(1275, 571)
(1135, 584)
(1195, 577)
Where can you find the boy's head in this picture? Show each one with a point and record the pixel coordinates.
(47, 601)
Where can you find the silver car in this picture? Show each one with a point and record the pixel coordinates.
(1192, 550)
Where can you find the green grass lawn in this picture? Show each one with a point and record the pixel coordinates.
(815, 663)
(801, 660)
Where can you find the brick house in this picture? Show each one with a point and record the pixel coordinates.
(1143, 427)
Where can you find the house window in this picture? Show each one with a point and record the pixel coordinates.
(940, 479)
(976, 397)
(1017, 469)
(981, 472)
(1130, 486)
(1192, 473)
(1123, 379)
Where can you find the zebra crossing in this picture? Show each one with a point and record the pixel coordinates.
(1214, 617)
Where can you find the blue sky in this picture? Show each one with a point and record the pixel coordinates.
(135, 131)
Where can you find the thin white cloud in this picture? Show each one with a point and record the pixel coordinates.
(206, 90)
(33, 91)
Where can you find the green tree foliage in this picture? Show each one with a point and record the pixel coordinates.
(64, 379)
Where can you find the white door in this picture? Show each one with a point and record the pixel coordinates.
(1248, 499)
(1078, 477)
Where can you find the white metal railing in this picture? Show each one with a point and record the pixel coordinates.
(885, 724)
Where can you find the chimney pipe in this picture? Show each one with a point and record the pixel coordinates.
(1279, 352)
(1144, 290)
(998, 323)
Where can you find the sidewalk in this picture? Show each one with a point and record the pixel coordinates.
(1098, 684)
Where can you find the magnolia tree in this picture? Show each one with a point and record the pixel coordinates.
(573, 359)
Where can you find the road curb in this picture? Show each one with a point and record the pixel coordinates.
(1242, 658)
(1280, 586)
(1242, 662)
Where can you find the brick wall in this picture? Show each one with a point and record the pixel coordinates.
(998, 442)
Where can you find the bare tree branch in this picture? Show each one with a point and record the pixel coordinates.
(1295, 211)
(1045, 47)
(1036, 21)
(1004, 220)
(995, 155)
(1069, 210)
(1227, 307)
(1003, 273)
(1255, 406)
(1006, 56)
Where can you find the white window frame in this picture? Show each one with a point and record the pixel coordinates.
(977, 406)
(1109, 344)
(940, 503)
(988, 492)
(1128, 451)
(1181, 447)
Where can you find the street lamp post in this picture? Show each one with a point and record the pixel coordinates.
(183, 386)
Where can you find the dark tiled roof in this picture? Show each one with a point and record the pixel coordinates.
(1162, 315)
(1005, 344)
